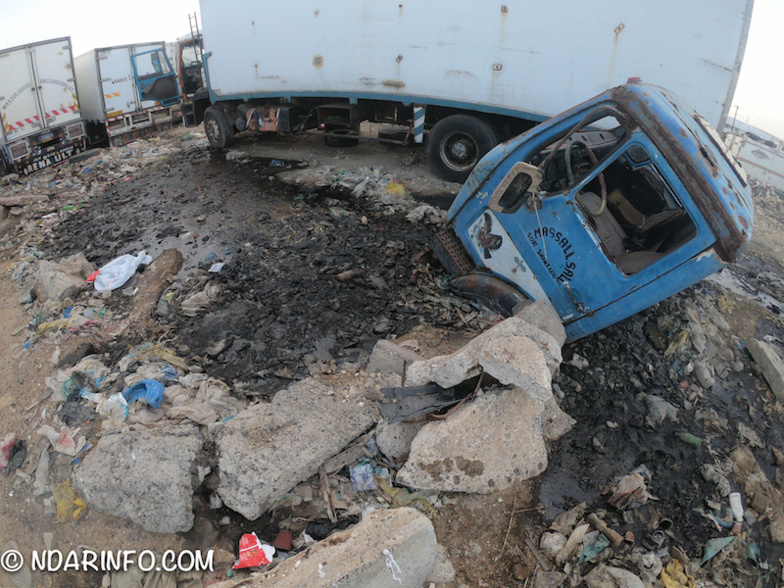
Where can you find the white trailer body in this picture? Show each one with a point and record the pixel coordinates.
(41, 120)
(127, 91)
(518, 59)
(762, 160)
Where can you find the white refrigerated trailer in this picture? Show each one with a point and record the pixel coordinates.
(41, 120)
(473, 73)
(127, 91)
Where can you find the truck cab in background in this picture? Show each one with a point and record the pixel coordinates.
(602, 211)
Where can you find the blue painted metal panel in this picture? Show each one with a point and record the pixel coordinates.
(557, 240)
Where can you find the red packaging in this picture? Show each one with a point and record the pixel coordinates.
(253, 552)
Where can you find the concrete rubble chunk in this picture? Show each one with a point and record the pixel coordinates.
(542, 315)
(771, 364)
(758, 491)
(391, 357)
(65, 279)
(269, 448)
(555, 422)
(394, 440)
(486, 445)
(155, 279)
(147, 475)
(388, 549)
(512, 352)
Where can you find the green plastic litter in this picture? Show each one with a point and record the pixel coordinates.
(690, 439)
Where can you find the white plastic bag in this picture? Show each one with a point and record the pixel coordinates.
(118, 271)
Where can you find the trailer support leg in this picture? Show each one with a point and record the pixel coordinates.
(419, 124)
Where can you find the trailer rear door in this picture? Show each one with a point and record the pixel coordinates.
(116, 77)
(18, 107)
(56, 84)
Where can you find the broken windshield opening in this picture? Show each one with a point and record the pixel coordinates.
(573, 156)
(562, 163)
(633, 211)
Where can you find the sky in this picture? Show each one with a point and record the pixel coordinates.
(99, 23)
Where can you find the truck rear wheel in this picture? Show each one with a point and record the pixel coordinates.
(456, 144)
(219, 131)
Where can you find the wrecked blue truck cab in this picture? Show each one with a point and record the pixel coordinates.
(603, 211)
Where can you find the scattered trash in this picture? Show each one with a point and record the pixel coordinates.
(150, 390)
(689, 439)
(216, 267)
(253, 553)
(5, 449)
(713, 547)
(674, 576)
(114, 410)
(63, 442)
(322, 528)
(406, 403)
(69, 506)
(629, 492)
(363, 477)
(283, 541)
(118, 271)
(736, 505)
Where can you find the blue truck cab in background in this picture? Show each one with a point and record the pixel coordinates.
(603, 211)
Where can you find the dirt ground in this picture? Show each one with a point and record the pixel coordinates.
(281, 224)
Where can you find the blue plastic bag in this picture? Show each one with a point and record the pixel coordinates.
(150, 390)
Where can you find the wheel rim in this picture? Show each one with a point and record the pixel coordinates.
(212, 128)
(459, 151)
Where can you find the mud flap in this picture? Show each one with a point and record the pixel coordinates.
(491, 292)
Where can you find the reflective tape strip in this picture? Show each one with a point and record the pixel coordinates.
(112, 95)
(419, 124)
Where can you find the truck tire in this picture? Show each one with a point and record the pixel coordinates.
(456, 144)
(219, 131)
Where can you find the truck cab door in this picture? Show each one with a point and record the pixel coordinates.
(596, 214)
(156, 82)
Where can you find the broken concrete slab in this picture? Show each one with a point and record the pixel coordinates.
(153, 281)
(390, 357)
(65, 279)
(394, 440)
(267, 449)
(512, 352)
(555, 422)
(771, 364)
(388, 549)
(542, 315)
(758, 491)
(147, 475)
(485, 445)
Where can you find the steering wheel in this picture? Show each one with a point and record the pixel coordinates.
(594, 161)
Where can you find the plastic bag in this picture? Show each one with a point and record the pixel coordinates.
(253, 552)
(150, 390)
(69, 505)
(118, 271)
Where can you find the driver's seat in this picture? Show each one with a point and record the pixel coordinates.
(612, 236)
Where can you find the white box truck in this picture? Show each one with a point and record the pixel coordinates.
(126, 92)
(41, 121)
(473, 73)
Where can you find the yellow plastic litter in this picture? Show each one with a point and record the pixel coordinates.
(146, 351)
(56, 325)
(676, 344)
(396, 189)
(674, 576)
(402, 497)
(69, 506)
